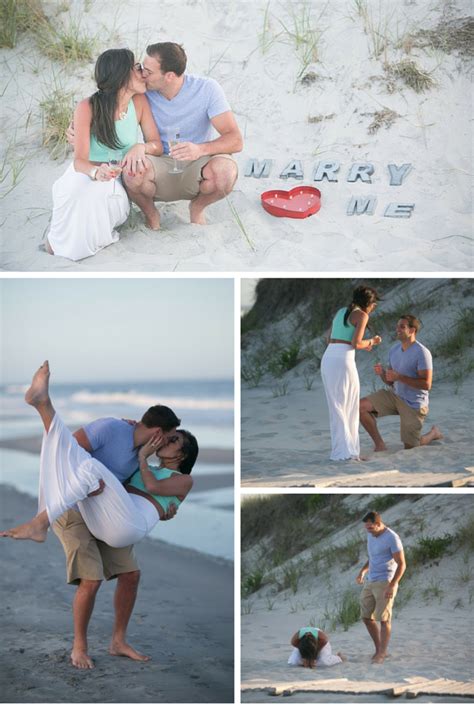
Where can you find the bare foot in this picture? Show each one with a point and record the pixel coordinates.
(120, 648)
(434, 434)
(80, 659)
(152, 219)
(380, 447)
(32, 530)
(37, 393)
(341, 656)
(378, 658)
(48, 247)
(196, 214)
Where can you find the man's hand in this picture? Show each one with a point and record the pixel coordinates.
(378, 369)
(172, 510)
(98, 491)
(186, 151)
(391, 375)
(389, 590)
(70, 133)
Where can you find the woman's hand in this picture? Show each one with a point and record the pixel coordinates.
(376, 340)
(134, 161)
(105, 174)
(151, 446)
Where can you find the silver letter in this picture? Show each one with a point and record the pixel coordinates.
(398, 174)
(394, 209)
(294, 170)
(362, 171)
(326, 170)
(359, 205)
(256, 169)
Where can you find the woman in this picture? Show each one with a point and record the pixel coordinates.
(312, 648)
(339, 371)
(89, 201)
(69, 475)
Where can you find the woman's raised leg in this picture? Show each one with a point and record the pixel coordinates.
(37, 395)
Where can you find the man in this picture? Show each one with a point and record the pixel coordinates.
(189, 106)
(409, 377)
(115, 443)
(383, 571)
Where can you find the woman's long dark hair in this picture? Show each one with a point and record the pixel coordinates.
(308, 647)
(190, 450)
(112, 73)
(363, 296)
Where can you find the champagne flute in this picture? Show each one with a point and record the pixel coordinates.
(173, 135)
(114, 160)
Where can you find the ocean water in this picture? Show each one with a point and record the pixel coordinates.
(205, 522)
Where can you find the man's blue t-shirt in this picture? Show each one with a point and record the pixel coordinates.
(380, 549)
(112, 444)
(408, 362)
(190, 110)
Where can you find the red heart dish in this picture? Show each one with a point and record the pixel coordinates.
(298, 203)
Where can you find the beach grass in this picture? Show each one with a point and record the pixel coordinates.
(252, 582)
(427, 549)
(413, 76)
(252, 374)
(239, 223)
(385, 118)
(376, 26)
(383, 502)
(449, 36)
(347, 610)
(12, 168)
(18, 17)
(280, 389)
(57, 110)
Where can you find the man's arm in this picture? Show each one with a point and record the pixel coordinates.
(229, 141)
(399, 558)
(422, 382)
(81, 438)
(362, 573)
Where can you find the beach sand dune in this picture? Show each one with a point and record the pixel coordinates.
(307, 81)
(183, 618)
(431, 631)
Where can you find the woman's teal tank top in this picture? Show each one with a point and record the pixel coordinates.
(126, 129)
(339, 330)
(308, 630)
(160, 474)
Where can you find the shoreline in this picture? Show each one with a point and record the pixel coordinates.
(189, 634)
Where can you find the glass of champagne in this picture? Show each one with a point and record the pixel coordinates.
(173, 135)
(114, 160)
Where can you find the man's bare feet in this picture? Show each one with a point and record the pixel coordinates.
(378, 658)
(434, 434)
(120, 648)
(380, 447)
(196, 214)
(80, 659)
(37, 393)
(32, 530)
(152, 219)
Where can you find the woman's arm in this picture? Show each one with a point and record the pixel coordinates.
(322, 639)
(82, 139)
(295, 639)
(360, 319)
(177, 484)
(134, 161)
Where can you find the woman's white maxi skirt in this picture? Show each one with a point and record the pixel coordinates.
(342, 387)
(324, 659)
(68, 473)
(85, 216)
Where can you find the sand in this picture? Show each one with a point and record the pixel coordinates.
(325, 117)
(183, 618)
(431, 630)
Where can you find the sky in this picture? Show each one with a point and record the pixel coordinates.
(112, 329)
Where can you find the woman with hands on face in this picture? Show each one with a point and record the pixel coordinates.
(89, 201)
(339, 371)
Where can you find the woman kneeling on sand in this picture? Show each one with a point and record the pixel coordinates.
(339, 371)
(69, 475)
(89, 201)
(312, 649)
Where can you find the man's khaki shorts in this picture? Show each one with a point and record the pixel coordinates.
(182, 186)
(386, 403)
(87, 557)
(373, 604)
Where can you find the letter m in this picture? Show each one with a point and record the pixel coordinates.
(255, 168)
(359, 205)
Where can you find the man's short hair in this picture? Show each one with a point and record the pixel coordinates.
(412, 321)
(171, 56)
(372, 517)
(161, 416)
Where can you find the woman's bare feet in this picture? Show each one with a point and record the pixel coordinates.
(35, 529)
(342, 656)
(120, 648)
(80, 659)
(37, 393)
